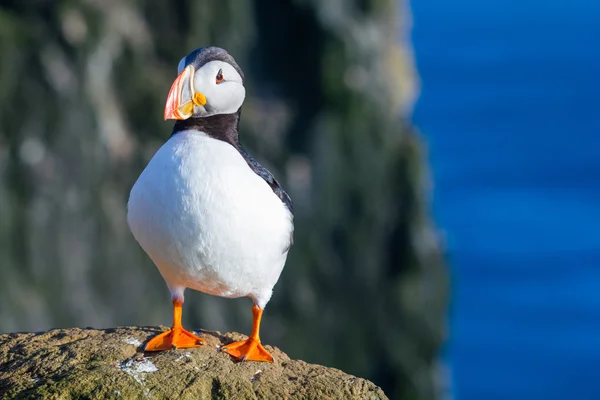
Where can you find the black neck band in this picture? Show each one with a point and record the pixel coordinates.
(221, 126)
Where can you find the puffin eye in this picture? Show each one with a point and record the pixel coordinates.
(220, 77)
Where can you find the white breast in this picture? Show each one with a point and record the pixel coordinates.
(208, 221)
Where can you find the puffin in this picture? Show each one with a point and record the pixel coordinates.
(209, 216)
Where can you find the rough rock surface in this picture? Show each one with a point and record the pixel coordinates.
(109, 364)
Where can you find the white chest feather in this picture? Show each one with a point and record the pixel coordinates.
(208, 221)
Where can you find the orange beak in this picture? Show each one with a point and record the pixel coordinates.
(182, 96)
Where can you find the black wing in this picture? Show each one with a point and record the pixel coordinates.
(268, 177)
(277, 189)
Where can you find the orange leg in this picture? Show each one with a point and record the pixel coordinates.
(250, 349)
(176, 337)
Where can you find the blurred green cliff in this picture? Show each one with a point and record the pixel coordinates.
(329, 84)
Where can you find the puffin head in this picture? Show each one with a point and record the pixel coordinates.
(209, 82)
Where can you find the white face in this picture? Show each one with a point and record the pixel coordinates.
(222, 86)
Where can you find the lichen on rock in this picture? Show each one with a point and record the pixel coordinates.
(110, 364)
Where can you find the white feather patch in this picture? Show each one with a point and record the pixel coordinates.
(208, 221)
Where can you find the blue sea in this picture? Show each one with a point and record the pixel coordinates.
(510, 112)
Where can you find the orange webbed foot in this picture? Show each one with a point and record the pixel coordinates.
(174, 338)
(248, 350)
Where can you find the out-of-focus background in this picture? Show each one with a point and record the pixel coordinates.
(510, 109)
(506, 96)
(330, 89)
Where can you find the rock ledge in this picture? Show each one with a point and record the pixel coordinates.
(110, 364)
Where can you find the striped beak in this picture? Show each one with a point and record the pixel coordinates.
(182, 97)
